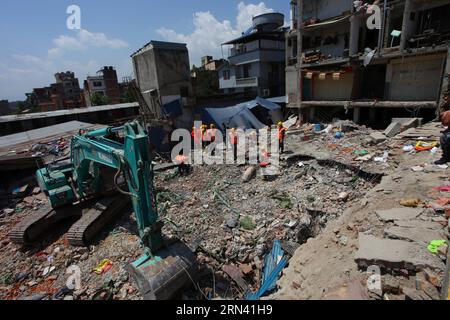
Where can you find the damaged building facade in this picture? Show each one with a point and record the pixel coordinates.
(353, 68)
(163, 75)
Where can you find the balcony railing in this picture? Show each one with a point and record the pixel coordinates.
(247, 82)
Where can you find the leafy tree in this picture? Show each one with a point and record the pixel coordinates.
(99, 99)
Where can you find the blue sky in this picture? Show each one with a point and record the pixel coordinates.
(36, 42)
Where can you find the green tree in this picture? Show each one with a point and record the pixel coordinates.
(99, 99)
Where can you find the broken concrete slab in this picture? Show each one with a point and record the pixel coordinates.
(408, 123)
(394, 129)
(378, 137)
(395, 214)
(418, 224)
(395, 254)
(413, 294)
(414, 234)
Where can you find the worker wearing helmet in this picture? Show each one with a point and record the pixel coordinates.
(281, 136)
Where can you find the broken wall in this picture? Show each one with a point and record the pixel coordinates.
(414, 79)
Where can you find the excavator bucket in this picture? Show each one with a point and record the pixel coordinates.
(160, 277)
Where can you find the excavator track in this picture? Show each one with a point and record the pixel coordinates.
(32, 227)
(83, 232)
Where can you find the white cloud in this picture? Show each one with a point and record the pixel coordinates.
(20, 73)
(247, 12)
(209, 33)
(85, 39)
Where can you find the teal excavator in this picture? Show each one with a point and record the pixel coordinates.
(166, 264)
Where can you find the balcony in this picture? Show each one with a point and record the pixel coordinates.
(246, 82)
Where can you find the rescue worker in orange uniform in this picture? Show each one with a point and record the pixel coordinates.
(183, 166)
(196, 136)
(234, 142)
(281, 136)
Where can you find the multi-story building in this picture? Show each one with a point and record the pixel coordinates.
(368, 60)
(256, 60)
(105, 84)
(208, 63)
(163, 75)
(71, 89)
(64, 94)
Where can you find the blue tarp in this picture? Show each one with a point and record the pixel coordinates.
(239, 116)
(173, 109)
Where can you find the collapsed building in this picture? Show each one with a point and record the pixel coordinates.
(366, 67)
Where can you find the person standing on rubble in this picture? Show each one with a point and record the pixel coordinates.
(445, 139)
(234, 142)
(281, 136)
(196, 136)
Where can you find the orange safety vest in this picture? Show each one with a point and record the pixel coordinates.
(233, 138)
(181, 159)
(281, 133)
(212, 134)
(197, 135)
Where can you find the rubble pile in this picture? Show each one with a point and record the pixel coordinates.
(230, 216)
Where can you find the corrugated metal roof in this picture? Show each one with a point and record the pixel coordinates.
(58, 113)
(43, 133)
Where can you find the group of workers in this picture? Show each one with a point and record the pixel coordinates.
(205, 135)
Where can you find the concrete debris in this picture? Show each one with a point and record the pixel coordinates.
(399, 214)
(393, 129)
(378, 137)
(414, 234)
(395, 254)
(316, 209)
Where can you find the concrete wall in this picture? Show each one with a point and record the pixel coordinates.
(291, 85)
(333, 90)
(325, 9)
(173, 70)
(414, 79)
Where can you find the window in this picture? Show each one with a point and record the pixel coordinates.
(98, 84)
(226, 74)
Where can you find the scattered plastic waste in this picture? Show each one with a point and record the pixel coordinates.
(103, 267)
(408, 148)
(382, 159)
(434, 245)
(425, 146)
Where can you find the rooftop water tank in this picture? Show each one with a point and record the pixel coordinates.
(268, 21)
